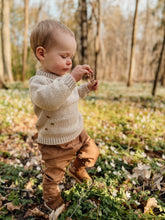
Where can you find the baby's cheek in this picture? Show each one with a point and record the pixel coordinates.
(57, 64)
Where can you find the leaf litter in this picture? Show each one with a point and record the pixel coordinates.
(128, 176)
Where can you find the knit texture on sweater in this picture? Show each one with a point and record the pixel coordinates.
(55, 101)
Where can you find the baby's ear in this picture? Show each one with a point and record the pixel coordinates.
(40, 53)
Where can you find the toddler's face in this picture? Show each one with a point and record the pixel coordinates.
(58, 59)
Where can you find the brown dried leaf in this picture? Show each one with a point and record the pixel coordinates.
(142, 170)
(151, 203)
(11, 207)
(157, 178)
(2, 198)
(37, 212)
(100, 185)
(29, 185)
(129, 159)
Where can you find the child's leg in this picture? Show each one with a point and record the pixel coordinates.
(56, 158)
(86, 157)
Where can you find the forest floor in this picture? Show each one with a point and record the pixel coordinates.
(127, 124)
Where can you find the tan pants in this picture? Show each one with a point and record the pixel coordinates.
(57, 158)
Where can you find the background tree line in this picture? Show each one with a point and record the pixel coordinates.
(119, 45)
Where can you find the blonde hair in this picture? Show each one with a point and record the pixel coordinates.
(45, 32)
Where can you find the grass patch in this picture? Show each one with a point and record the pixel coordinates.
(126, 124)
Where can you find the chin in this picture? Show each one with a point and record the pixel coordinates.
(59, 74)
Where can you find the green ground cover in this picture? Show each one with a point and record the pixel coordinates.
(128, 125)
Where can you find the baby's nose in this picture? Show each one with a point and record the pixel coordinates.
(69, 61)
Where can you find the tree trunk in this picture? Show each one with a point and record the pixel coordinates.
(159, 64)
(163, 58)
(1, 62)
(2, 85)
(129, 82)
(163, 72)
(97, 37)
(143, 53)
(25, 46)
(103, 60)
(163, 77)
(6, 42)
(84, 31)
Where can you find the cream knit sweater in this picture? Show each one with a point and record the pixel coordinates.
(55, 101)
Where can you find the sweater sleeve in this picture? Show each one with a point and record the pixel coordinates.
(51, 96)
(83, 90)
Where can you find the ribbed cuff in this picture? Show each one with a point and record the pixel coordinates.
(69, 81)
(87, 89)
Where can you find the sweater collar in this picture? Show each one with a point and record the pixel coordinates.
(49, 75)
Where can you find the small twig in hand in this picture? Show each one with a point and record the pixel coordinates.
(92, 78)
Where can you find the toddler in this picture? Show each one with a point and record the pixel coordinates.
(55, 96)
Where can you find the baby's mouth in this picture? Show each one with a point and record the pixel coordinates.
(66, 69)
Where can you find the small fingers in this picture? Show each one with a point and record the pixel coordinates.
(95, 84)
(85, 66)
(87, 72)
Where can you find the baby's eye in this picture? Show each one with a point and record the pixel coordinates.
(64, 57)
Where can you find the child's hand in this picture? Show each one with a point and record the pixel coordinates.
(80, 70)
(93, 86)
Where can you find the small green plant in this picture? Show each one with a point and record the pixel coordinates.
(129, 131)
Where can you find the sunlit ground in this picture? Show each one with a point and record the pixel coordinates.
(127, 124)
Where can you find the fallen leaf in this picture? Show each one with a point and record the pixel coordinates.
(12, 207)
(37, 212)
(128, 159)
(29, 185)
(142, 170)
(100, 185)
(151, 203)
(2, 198)
(92, 202)
(157, 178)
